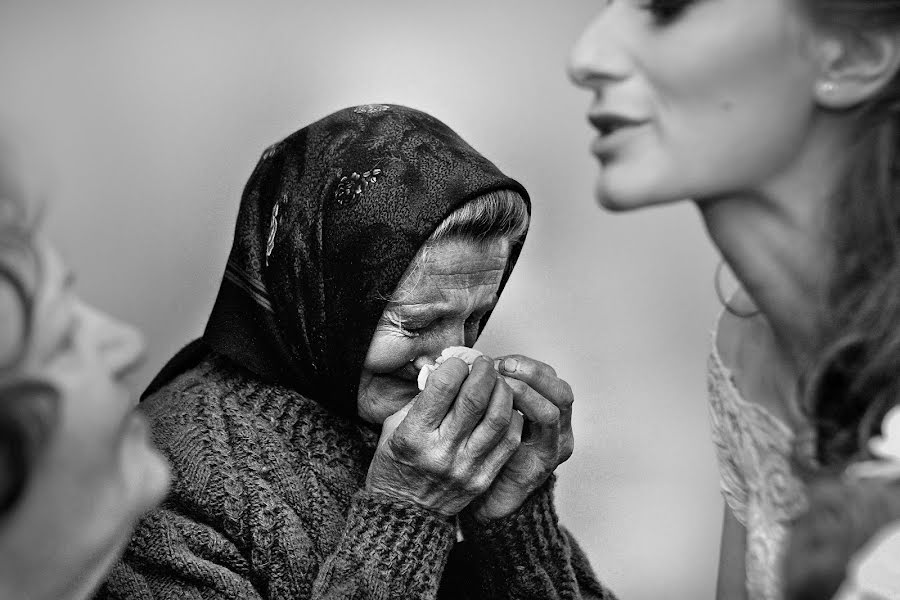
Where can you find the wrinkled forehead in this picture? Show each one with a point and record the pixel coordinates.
(454, 266)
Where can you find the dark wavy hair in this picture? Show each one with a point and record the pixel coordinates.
(28, 407)
(857, 378)
(843, 516)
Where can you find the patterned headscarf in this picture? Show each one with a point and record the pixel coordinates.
(329, 221)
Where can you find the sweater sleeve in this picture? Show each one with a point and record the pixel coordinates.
(528, 555)
(387, 550)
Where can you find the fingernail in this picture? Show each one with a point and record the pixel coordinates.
(510, 365)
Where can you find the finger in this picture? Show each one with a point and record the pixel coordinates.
(492, 464)
(495, 422)
(542, 415)
(472, 401)
(431, 405)
(543, 378)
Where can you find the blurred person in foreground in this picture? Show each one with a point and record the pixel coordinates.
(76, 464)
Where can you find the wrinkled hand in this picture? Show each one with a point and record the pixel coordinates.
(445, 447)
(547, 441)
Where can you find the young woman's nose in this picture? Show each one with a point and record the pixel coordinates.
(597, 57)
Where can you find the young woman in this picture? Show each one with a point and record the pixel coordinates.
(778, 119)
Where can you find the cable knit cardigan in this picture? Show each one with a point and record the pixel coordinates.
(268, 502)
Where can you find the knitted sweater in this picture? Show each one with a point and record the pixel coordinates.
(269, 502)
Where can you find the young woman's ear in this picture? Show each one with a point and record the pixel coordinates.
(855, 67)
(28, 414)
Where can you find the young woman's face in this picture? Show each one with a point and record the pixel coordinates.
(695, 98)
(440, 305)
(99, 471)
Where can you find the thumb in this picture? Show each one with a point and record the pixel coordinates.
(392, 422)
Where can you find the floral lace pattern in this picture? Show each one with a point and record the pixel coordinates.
(754, 449)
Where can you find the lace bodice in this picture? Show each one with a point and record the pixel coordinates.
(754, 448)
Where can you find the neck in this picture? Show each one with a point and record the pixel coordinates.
(776, 241)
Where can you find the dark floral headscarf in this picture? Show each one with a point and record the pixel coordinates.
(329, 221)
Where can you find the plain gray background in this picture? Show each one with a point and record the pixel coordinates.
(150, 117)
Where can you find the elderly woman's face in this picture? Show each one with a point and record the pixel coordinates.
(99, 471)
(437, 305)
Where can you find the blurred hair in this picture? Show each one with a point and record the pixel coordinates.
(498, 215)
(28, 409)
(857, 377)
(843, 516)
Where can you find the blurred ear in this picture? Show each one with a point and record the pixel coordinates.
(29, 411)
(855, 66)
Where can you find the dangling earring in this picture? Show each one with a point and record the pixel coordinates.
(717, 284)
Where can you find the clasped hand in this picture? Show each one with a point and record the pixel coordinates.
(463, 440)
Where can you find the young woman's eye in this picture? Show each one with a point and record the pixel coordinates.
(666, 11)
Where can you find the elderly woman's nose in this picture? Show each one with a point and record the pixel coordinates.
(597, 55)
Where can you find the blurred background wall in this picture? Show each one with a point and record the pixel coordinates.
(150, 117)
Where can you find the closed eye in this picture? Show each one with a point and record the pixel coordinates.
(406, 328)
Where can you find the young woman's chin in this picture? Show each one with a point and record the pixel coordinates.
(623, 194)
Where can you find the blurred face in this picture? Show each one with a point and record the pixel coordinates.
(99, 471)
(695, 98)
(437, 306)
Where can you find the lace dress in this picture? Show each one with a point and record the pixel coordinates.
(754, 449)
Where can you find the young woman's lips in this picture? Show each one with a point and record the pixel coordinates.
(612, 129)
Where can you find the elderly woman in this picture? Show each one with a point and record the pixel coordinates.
(307, 464)
(76, 464)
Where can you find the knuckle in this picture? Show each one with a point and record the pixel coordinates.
(480, 483)
(498, 423)
(515, 386)
(536, 369)
(566, 396)
(548, 414)
(443, 381)
(503, 386)
(403, 447)
(471, 402)
(512, 441)
(459, 479)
